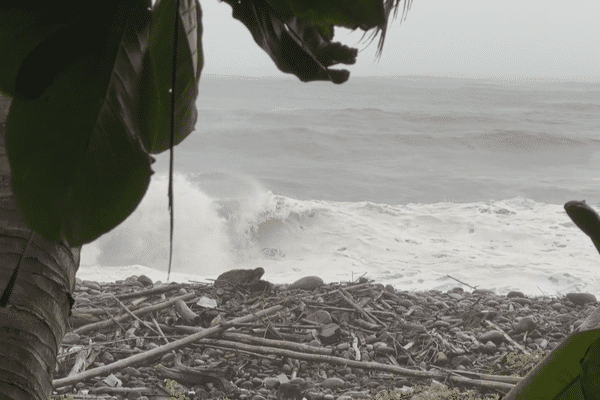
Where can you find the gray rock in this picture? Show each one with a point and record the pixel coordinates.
(333, 383)
(522, 301)
(460, 360)
(71, 338)
(526, 324)
(493, 336)
(514, 294)
(440, 359)
(330, 334)
(320, 316)
(144, 280)
(406, 303)
(240, 277)
(307, 283)
(91, 285)
(581, 298)
(289, 391)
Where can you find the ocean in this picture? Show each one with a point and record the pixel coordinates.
(413, 181)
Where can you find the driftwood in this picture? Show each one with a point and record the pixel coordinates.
(497, 383)
(141, 311)
(159, 351)
(372, 330)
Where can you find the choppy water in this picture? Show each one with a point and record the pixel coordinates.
(406, 180)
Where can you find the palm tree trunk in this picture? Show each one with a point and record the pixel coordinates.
(35, 319)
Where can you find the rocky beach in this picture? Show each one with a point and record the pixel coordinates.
(242, 337)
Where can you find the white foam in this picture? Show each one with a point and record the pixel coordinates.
(517, 244)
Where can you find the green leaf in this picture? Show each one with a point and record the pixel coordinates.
(350, 14)
(590, 372)
(77, 161)
(294, 44)
(26, 24)
(158, 64)
(559, 376)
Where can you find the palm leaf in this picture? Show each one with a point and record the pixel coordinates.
(158, 65)
(78, 164)
(296, 46)
(297, 34)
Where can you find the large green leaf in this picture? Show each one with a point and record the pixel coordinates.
(73, 143)
(295, 45)
(22, 28)
(158, 66)
(559, 375)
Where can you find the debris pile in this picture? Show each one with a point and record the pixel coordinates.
(245, 338)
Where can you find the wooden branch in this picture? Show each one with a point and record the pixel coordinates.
(186, 313)
(159, 351)
(150, 292)
(283, 344)
(128, 311)
(141, 311)
(499, 383)
(517, 345)
(359, 309)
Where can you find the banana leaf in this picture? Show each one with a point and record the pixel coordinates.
(157, 70)
(73, 142)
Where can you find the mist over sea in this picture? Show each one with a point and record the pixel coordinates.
(402, 179)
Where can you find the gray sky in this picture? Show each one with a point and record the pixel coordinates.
(462, 37)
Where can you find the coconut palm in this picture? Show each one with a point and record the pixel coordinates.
(90, 85)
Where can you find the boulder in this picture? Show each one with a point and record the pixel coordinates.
(307, 283)
(581, 298)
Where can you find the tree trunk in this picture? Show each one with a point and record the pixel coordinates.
(35, 319)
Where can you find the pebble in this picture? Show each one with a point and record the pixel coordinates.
(514, 294)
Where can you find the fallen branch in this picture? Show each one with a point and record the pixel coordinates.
(141, 311)
(500, 383)
(159, 351)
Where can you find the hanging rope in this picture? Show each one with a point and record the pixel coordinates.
(172, 136)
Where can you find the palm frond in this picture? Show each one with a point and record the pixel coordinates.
(389, 6)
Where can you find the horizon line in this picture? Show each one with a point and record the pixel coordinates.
(520, 78)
